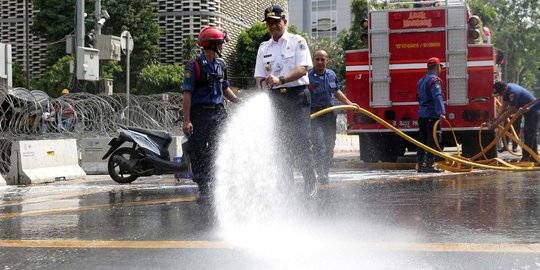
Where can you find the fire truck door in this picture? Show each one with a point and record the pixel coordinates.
(456, 59)
(380, 60)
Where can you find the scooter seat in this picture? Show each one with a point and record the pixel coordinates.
(154, 133)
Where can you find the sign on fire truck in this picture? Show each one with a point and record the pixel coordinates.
(383, 78)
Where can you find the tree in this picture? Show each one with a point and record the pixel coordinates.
(487, 14)
(246, 53)
(515, 32)
(56, 78)
(19, 77)
(351, 39)
(160, 78)
(190, 49)
(55, 19)
(139, 17)
(53, 22)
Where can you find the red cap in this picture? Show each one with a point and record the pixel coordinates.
(433, 61)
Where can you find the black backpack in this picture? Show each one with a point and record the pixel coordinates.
(203, 76)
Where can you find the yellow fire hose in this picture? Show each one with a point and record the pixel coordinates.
(452, 162)
(505, 140)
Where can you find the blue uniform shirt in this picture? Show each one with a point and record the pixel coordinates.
(203, 90)
(323, 88)
(430, 96)
(518, 96)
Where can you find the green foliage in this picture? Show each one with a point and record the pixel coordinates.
(246, 52)
(56, 78)
(139, 17)
(351, 39)
(110, 68)
(160, 78)
(53, 22)
(292, 29)
(190, 49)
(515, 32)
(486, 13)
(19, 76)
(56, 19)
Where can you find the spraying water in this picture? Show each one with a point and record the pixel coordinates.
(248, 170)
(269, 218)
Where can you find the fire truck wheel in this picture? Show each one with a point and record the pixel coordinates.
(392, 152)
(389, 157)
(369, 152)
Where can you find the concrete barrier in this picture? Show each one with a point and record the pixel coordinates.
(41, 161)
(91, 150)
(347, 143)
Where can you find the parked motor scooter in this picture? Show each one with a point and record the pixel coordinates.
(149, 155)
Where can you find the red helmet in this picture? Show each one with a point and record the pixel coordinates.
(210, 36)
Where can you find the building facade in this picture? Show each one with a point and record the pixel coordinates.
(183, 19)
(320, 18)
(13, 31)
(180, 20)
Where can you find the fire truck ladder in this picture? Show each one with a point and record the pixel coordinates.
(456, 52)
(379, 60)
(456, 55)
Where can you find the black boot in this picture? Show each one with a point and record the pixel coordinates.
(431, 169)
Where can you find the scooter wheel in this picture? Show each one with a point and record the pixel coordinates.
(114, 168)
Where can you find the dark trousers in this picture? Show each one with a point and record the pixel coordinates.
(323, 134)
(517, 128)
(529, 134)
(293, 131)
(425, 136)
(202, 144)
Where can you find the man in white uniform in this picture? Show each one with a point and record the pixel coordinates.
(282, 66)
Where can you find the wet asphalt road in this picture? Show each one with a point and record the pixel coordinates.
(363, 219)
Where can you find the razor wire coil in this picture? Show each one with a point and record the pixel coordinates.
(34, 115)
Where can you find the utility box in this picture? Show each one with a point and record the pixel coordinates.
(87, 64)
(69, 44)
(109, 47)
(6, 77)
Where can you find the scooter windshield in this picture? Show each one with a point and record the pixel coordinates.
(143, 141)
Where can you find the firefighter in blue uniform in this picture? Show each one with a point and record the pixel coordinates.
(282, 66)
(204, 88)
(324, 88)
(513, 98)
(430, 109)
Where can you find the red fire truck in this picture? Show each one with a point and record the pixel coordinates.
(383, 78)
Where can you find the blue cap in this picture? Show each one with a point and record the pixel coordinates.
(274, 12)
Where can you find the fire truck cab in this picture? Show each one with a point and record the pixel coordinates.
(383, 78)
